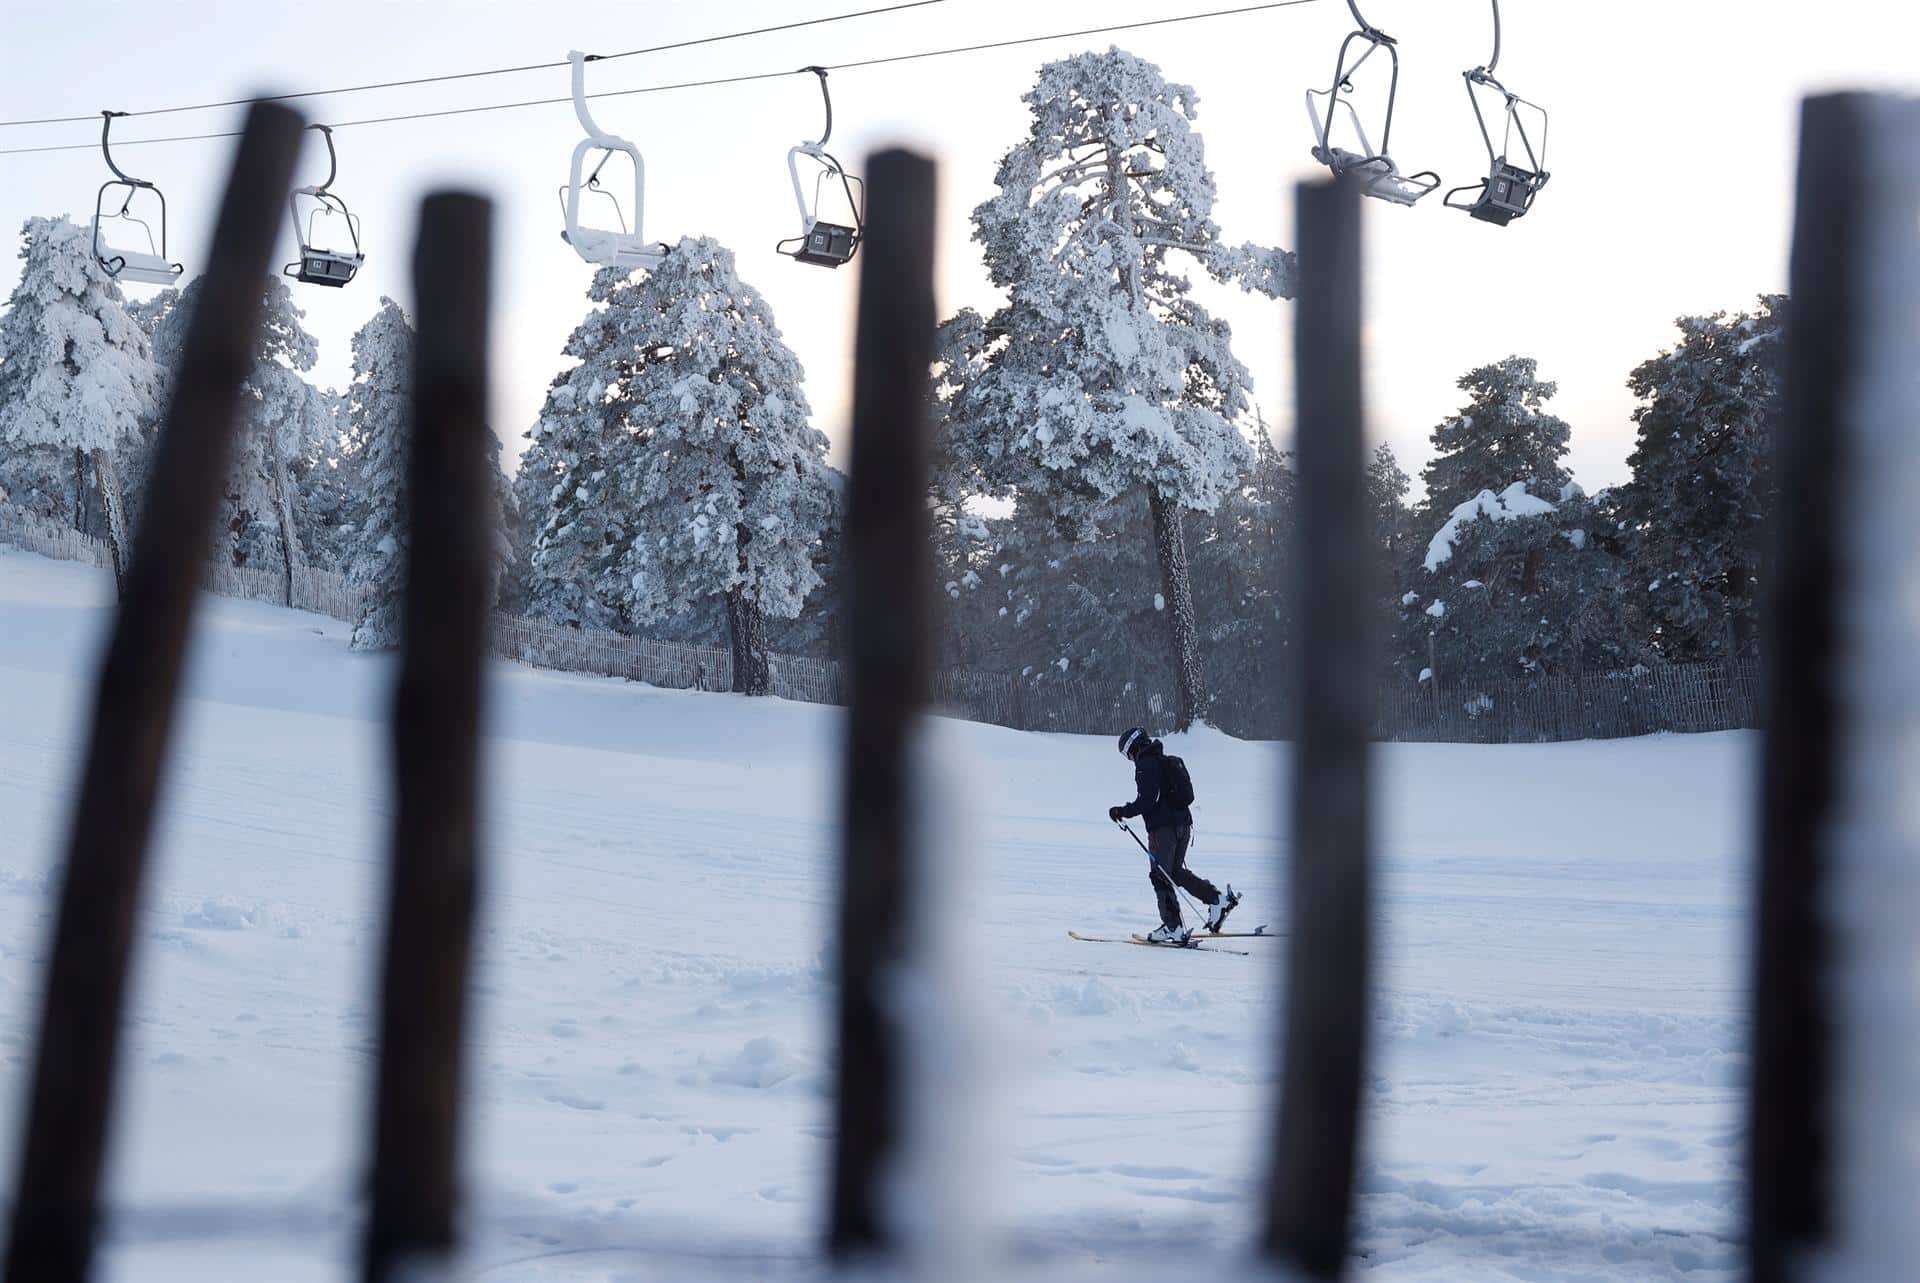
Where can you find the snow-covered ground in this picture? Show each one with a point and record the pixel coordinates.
(1558, 1027)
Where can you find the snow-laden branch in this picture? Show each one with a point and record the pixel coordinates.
(1256, 269)
(1067, 175)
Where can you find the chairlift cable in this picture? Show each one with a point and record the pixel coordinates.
(704, 84)
(493, 71)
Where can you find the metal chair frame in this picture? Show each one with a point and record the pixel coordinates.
(151, 267)
(1507, 192)
(1378, 174)
(822, 243)
(317, 266)
(601, 246)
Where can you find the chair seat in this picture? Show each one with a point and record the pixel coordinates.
(1380, 176)
(144, 269)
(827, 245)
(325, 267)
(614, 249)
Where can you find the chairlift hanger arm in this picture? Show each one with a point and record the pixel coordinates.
(599, 136)
(333, 159)
(106, 149)
(826, 100)
(1373, 32)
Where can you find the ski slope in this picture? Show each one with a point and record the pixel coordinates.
(1558, 1028)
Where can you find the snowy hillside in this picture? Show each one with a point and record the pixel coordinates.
(1558, 1034)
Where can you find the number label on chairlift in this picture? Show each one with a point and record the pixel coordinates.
(829, 245)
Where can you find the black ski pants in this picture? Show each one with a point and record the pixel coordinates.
(1168, 847)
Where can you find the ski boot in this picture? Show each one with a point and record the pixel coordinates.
(1217, 915)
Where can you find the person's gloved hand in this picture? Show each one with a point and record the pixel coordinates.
(1113, 813)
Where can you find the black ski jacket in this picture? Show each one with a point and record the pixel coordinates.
(1150, 780)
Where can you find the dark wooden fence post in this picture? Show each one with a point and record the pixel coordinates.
(1310, 1190)
(1789, 1190)
(56, 1186)
(436, 738)
(889, 653)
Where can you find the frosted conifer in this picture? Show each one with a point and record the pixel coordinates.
(1103, 374)
(76, 371)
(725, 475)
(1701, 484)
(1503, 434)
(571, 536)
(284, 420)
(378, 408)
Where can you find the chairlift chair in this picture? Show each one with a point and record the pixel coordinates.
(318, 266)
(1374, 169)
(1508, 190)
(604, 246)
(150, 266)
(823, 243)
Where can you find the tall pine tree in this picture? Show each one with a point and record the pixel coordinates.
(1103, 375)
(76, 371)
(379, 401)
(1700, 480)
(689, 468)
(284, 420)
(571, 535)
(1502, 435)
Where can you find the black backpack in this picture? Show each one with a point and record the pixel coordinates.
(1179, 785)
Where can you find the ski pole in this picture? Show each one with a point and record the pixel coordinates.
(1154, 868)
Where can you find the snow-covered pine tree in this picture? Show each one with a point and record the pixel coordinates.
(719, 469)
(378, 407)
(1502, 435)
(76, 371)
(1387, 486)
(46, 483)
(284, 419)
(572, 536)
(1062, 603)
(1701, 484)
(815, 631)
(1514, 584)
(1103, 374)
(330, 501)
(1243, 575)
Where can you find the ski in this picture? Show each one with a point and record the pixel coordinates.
(1201, 933)
(1154, 944)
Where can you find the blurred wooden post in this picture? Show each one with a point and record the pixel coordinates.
(889, 651)
(437, 709)
(56, 1186)
(1789, 1189)
(1310, 1191)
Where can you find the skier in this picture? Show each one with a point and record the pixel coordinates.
(1165, 793)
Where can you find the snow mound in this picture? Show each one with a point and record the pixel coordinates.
(760, 1064)
(1512, 502)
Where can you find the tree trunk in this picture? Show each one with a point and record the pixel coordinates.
(747, 630)
(108, 478)
(1170, 541)
(291, 553)
(80, 514)
(746, 619)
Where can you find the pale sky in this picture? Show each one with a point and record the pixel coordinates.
(1671, 150)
